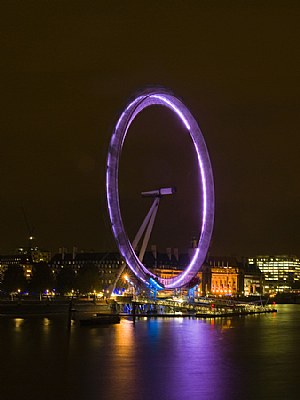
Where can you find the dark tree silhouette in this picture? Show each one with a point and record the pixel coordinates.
(42, 278)
(87, 279)
(65, 280)
(14, 279)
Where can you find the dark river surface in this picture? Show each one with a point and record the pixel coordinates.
(251, 357)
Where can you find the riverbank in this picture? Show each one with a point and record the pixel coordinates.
(24, 308)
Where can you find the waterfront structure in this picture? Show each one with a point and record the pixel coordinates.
(253, 284)
(221, 276)
(253, 280)
(206, 186)
(281, 272)
(25, 257)
(107, 263)
(39, 255)
(21, 260)
(218, 276)
(110, 263)
(224, 281)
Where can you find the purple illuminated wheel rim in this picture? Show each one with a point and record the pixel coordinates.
(206, 185)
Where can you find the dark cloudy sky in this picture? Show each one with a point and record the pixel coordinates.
(68, 68)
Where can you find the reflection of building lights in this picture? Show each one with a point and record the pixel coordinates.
(19, 322)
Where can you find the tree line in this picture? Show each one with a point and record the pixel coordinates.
(64, 280)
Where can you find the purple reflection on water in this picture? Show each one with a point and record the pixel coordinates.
(183, 361)
(249, 358)
(163, 359)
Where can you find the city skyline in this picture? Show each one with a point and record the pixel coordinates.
(68, 73)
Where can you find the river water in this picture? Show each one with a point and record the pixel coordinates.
(250, 357)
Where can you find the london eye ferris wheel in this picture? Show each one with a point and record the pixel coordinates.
(145, 99)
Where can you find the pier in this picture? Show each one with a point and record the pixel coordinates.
(129, 306)
(207, 308)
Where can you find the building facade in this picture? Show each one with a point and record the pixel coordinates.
(108, 264)
(22, 260)
(281, 272)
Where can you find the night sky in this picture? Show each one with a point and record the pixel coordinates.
(69, 67)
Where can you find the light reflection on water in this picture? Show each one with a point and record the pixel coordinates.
(18, 322)
(253, 357)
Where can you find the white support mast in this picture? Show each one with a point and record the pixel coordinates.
(146, 226)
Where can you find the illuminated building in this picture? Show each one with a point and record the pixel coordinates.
(22, 260)
(108, 264)
(225, 276)
(34, 255)
(281, 272)
(253, 284)
(25, 257)
(224, 280)
(39, 255)
(221, 276)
